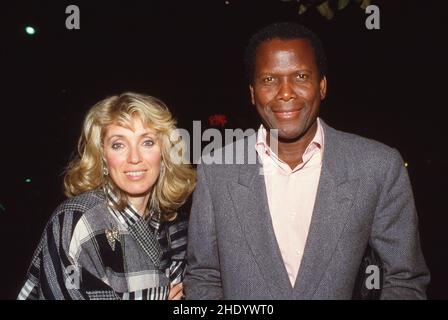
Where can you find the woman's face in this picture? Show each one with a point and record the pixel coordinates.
(133, 157)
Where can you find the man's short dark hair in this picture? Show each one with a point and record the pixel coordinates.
(283, 31)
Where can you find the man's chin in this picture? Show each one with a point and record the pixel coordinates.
(290, 138)
(293, 133)
(290, 134)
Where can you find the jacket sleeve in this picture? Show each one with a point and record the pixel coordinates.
(53, 275)
(203, 277)
(176, 248)
(395, 236)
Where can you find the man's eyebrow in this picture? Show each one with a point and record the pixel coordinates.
(268, 72)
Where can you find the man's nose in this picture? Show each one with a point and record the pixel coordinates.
(285, 91)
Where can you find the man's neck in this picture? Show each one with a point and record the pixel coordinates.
(292, 152)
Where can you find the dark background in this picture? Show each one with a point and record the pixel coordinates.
(386, 84)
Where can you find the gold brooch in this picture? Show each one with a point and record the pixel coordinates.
(112, 235)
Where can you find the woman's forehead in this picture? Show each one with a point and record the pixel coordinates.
(129, 128)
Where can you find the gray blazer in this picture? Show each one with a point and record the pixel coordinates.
(364, 197)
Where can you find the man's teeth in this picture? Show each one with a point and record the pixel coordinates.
(135, 173)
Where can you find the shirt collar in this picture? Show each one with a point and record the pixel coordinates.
(129, 215)
(263, 149)
(318, 139)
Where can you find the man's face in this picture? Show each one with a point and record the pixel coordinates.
(287, 88)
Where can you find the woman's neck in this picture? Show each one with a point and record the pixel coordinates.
(140, 203)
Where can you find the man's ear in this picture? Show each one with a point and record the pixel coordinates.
(252, 98)
(323, 87)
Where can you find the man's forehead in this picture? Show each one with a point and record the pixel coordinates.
(277, 52)
(277, 44)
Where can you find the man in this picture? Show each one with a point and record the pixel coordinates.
(300, 228)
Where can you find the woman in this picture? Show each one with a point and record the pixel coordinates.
(118, 236)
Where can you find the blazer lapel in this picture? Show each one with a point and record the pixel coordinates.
(251, 206)
(333, 201)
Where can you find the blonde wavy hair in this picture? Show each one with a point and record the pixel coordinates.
(176, 180)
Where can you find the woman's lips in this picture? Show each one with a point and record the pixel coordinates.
(135, 175)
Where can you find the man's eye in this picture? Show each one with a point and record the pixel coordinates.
(148, 143)
(268, 79)
(302, 76)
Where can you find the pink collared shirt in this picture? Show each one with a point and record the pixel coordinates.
(291, 196)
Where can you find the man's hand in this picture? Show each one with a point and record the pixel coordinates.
(176, 292)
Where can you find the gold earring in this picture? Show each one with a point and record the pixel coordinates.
(105, 170)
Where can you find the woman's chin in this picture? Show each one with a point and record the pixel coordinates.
(137, 193)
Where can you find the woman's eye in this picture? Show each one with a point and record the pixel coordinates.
(148, 143)
(117, 145)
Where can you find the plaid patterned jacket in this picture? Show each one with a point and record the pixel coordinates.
(89, 251)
